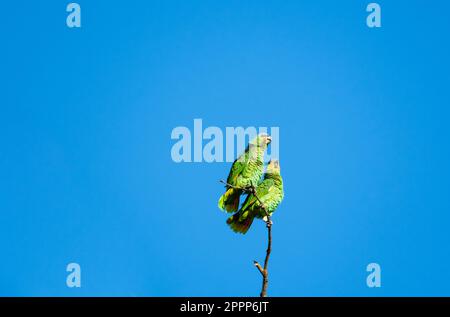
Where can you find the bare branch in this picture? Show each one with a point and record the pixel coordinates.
(264, 271)
(248, 189)
(259, 267)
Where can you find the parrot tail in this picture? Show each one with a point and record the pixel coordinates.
(230, 200)
(239, 225)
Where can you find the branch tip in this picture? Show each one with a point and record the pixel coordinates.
(259, 267)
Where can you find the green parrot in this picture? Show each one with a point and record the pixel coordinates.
(246, 170)
(269, 191)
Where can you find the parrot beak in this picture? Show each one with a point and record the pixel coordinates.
(269, 139)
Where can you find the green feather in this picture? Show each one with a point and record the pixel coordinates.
(246, 170)
(270, 192)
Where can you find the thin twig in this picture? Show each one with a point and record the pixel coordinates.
(263, 270)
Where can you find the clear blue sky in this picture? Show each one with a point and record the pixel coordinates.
(86, 172)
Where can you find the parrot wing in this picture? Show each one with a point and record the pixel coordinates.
(263, 193)
(236, 170)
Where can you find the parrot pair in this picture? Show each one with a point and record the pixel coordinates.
(246, 171)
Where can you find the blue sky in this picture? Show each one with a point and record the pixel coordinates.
(86, 173)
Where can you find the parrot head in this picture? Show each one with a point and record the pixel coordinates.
(273, 167)
(262, 140)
